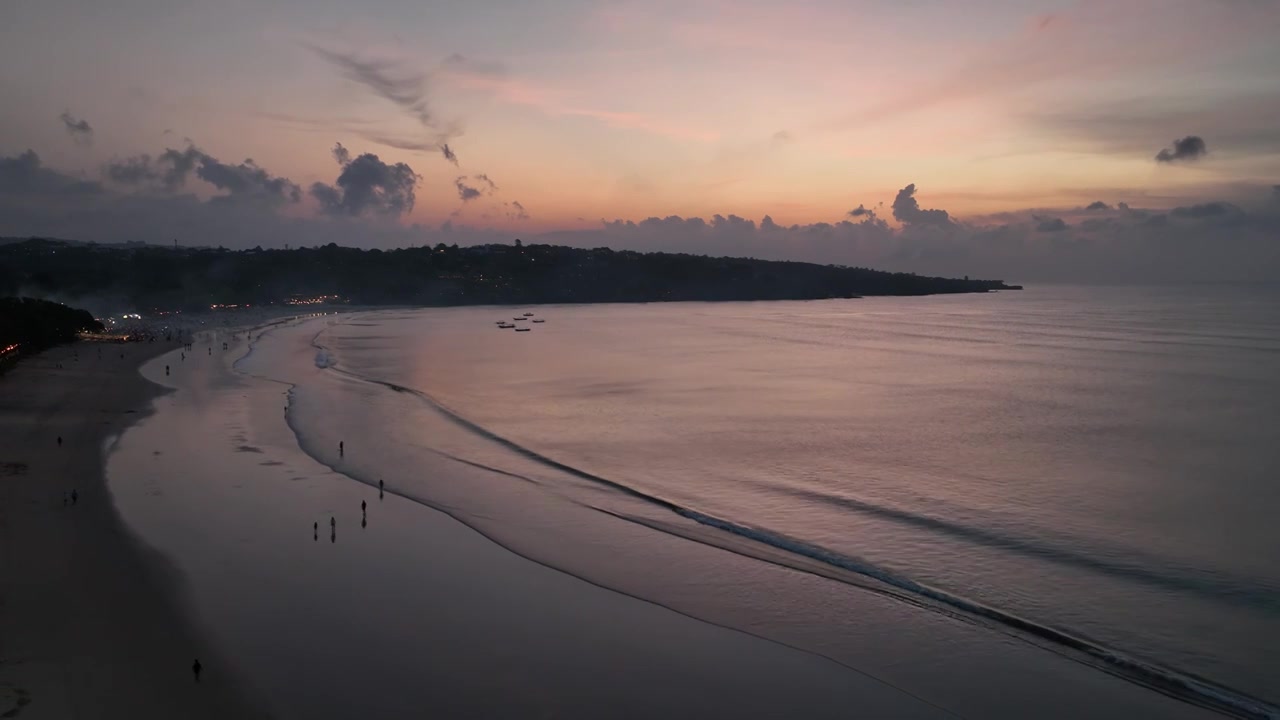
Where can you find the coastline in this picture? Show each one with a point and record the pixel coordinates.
(421, 609)
(92, 619)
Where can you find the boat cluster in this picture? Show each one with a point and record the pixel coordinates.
(527, 317)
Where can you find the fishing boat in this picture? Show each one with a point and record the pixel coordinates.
(539, 320)
(524, 329)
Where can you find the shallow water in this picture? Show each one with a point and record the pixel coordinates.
(1088, 470)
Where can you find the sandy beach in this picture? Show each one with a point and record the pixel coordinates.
(91, 620)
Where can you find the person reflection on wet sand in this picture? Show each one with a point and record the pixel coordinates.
(315, 531)
(364, 522)
(379, 488)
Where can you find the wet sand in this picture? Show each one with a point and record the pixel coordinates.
(92, 623)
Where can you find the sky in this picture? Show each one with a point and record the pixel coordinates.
(1076, 140)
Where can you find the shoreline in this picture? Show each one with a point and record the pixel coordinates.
(93, 620)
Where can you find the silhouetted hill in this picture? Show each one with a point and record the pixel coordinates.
(28, 324)
(154, 277)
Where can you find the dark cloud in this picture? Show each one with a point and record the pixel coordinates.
(25, 175)
(1050, 224)
(172, 168)
(1191, 147)
(1098, 205)
(465, 192)
(341, 154)
(1205, 210)
(448, 153)
(247, 181)
(366, 185)
(483, 185)
(79, 130)
(862, 210)
(906, 210)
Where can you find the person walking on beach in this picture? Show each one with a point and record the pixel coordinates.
(195, 669)
(341, 449)
(362, 507)
(59, 441)
(75, 497)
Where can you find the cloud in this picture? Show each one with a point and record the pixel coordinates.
(405, 89)
(1207, 240)
(465, 192)
(341, 154)
(79, 130)
(1205, 210)
(170, 171)
(414, 145)
(1191, 147)
(368, 185)
(247, 181)
(484, 186)
(1098, 205)
(906, 210)
(860, 211)
(1050, 224)
(24, 175)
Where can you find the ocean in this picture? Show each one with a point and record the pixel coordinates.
(1091, 471)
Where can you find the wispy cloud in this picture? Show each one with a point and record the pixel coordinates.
(402, 86)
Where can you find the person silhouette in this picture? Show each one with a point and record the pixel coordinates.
(341, 449)
(333, 523)
(59, 441)
(364, 522)
(75, 497)
(195, 669)
(166, 371)
(362, 507)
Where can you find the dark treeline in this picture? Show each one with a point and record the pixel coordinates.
(155, 277)
(37, 324)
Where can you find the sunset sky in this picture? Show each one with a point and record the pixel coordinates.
(582, 111)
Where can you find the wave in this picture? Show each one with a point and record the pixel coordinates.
(1178, 684)
(1216, 587)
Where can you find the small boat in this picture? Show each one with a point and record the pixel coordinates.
(528, 314)
(524, 329)
(520, 319)
(539, 320)
(506, 326)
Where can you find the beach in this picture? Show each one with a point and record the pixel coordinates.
(92, 624)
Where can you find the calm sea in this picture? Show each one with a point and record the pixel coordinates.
(1096, 470)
